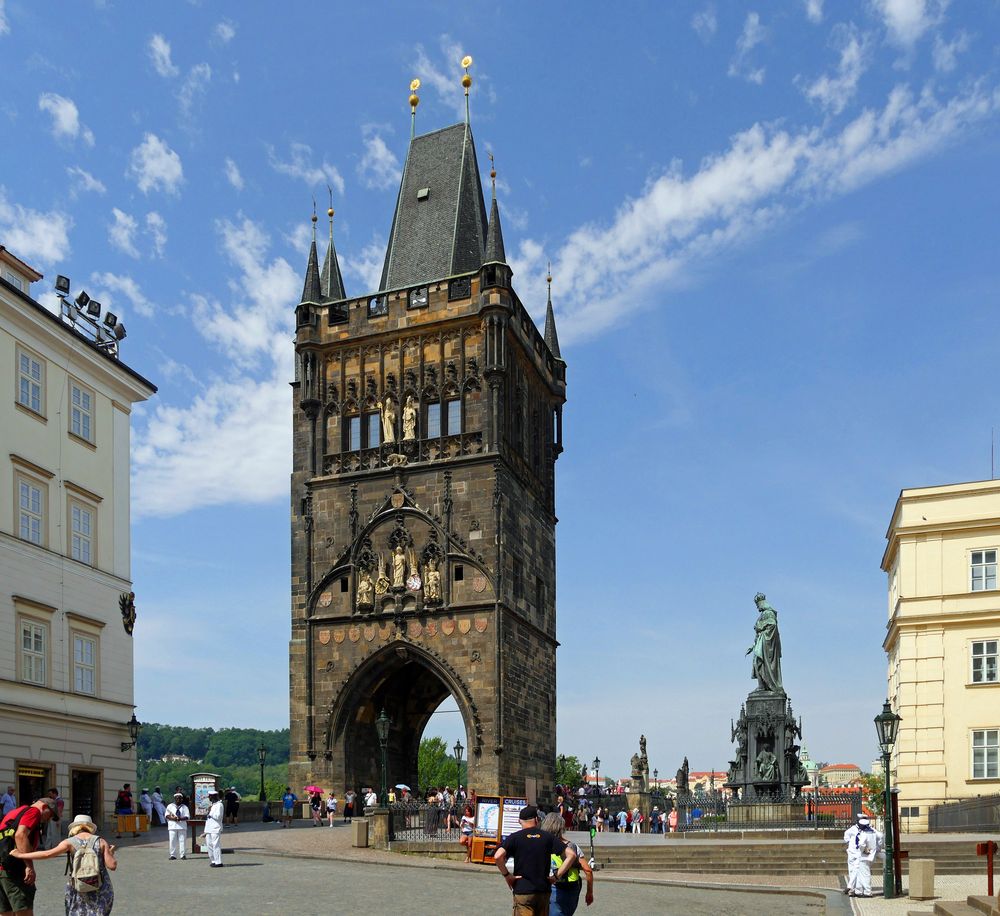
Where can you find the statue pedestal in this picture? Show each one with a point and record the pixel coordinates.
(758, 814)
(639, 800)
(767, 764)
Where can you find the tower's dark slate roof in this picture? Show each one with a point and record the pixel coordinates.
(551, 338)
(445, 233)
(331, 281)
(494, 237)
(312, 290)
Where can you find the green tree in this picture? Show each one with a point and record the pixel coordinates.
(568, 770)
(873, 786)
(435, 766)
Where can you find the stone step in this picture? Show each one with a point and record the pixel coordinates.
(988, 905)
(955, 908)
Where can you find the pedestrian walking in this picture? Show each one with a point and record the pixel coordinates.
(51, 834)
(213, 829)
(622, 820)
(331, 807)
(158, 805)
(850, 835)
(177, 815)
(867, 843)
(146, 803)
(348, 805)
(86, 868)
(232, 799)
(22, 830)
(565, 894)
(288, 801)
(636, 821)
(316, 807)
(8, 802)
(672, 820)
(532, 850)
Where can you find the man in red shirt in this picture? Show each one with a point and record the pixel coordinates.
(17, 878)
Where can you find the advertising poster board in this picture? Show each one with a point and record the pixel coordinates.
(202, 784)
(487, 816)
(509, 822)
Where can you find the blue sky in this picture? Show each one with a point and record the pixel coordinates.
(773, 240)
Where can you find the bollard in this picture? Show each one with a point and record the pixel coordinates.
(987, 849)
(921, 879)
(359, 831)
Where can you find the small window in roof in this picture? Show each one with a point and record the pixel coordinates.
(423, 193)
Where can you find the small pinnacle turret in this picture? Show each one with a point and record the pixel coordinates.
(494, 237)
(551, 337)
(331, 280)
(312, 290)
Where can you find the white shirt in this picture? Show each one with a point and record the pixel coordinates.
(180, 811)
(213, 822)
(371, 800)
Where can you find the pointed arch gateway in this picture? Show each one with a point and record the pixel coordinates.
(409, 682)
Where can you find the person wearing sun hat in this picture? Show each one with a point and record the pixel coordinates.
(83, 831)
(177, 820)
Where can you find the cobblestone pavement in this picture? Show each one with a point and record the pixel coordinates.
(302, 871)
(946, 887)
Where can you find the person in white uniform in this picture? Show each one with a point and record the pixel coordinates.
(177, 815)
(146, 803)
(213, 829)
(850, 835)
(866, 841)
(158, 806)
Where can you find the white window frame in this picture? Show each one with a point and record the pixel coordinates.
(81, 667)
(81, 418)
(24, 479)
(42, 657)
(985, 655)
(81, 531)
(986, 747)
(984, 565)
(13, 279)
(20, 375)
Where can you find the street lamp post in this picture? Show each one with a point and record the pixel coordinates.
(262, 757)
(458, 764)
(887, 727)
(382, 724)
(597, 773)
(134, 726)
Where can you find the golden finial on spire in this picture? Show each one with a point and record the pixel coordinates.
(314, 218)
(466, 83)
(329, 211)
(493, 175)
(548, 279)
(414, 102)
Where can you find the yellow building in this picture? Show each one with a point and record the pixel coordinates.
(942, 642)
(65, 655)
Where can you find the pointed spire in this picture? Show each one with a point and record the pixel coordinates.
(551, 338)
(331, 281)
(312, 290)
(494, 234)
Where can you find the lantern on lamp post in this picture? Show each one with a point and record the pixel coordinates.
(887, 727)
(458, 749)
(382, 724)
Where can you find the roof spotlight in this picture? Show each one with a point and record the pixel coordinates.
(119, 331)
(94, 308)
(62, 285)
(110, 320)
(82, 299)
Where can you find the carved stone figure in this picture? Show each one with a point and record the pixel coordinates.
(766, 649)
(735, 770)
(399, 568)
(388, 409)
(410, 419)
(682, 777)
(432, 581)
(636, 767)
(767, 766)
(366, 588)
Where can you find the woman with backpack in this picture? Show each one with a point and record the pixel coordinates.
(88, 891)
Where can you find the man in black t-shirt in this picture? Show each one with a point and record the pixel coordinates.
(532, 850)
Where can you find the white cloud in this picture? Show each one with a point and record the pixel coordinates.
(121, 233)
(65, 118)
(753, 34)
(299, 165)
(154, 165)
(447, 80)
(108, 285)
(243, 413)
(814, 10)
(945, 53)
(367, 264)
(156, 229)
(4, 27)
(193, 87)
(379, 167)
(84, 181)
(907, 20)
(705, 23)
(233, 175)
(159, 54)
(834, 92)
(32, 234)
(300, 237)
(766, 171)
(225, 31)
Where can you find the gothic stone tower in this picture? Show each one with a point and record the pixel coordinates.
(427, 423)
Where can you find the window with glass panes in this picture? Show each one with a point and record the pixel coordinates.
(33, 651)
(373, 423)
(984, 662)
(986, 753)
(30, 378)
(353, 433)
(30, 509)
(984, 570)
(453, 416)
(433, 420)
(81, 534)
(81, 417)
(84, 664)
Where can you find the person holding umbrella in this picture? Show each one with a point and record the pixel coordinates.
(315, 794)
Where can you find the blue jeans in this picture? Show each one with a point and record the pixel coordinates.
(565, 898)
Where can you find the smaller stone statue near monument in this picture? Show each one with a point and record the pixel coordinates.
(410, 419)
(682, 778)
(766, 649)
(432, 581)
(767, 766)
(366, 588)
(388, 408)
(399, 568)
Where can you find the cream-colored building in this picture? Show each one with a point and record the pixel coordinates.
(65, 656)
(942, 641)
